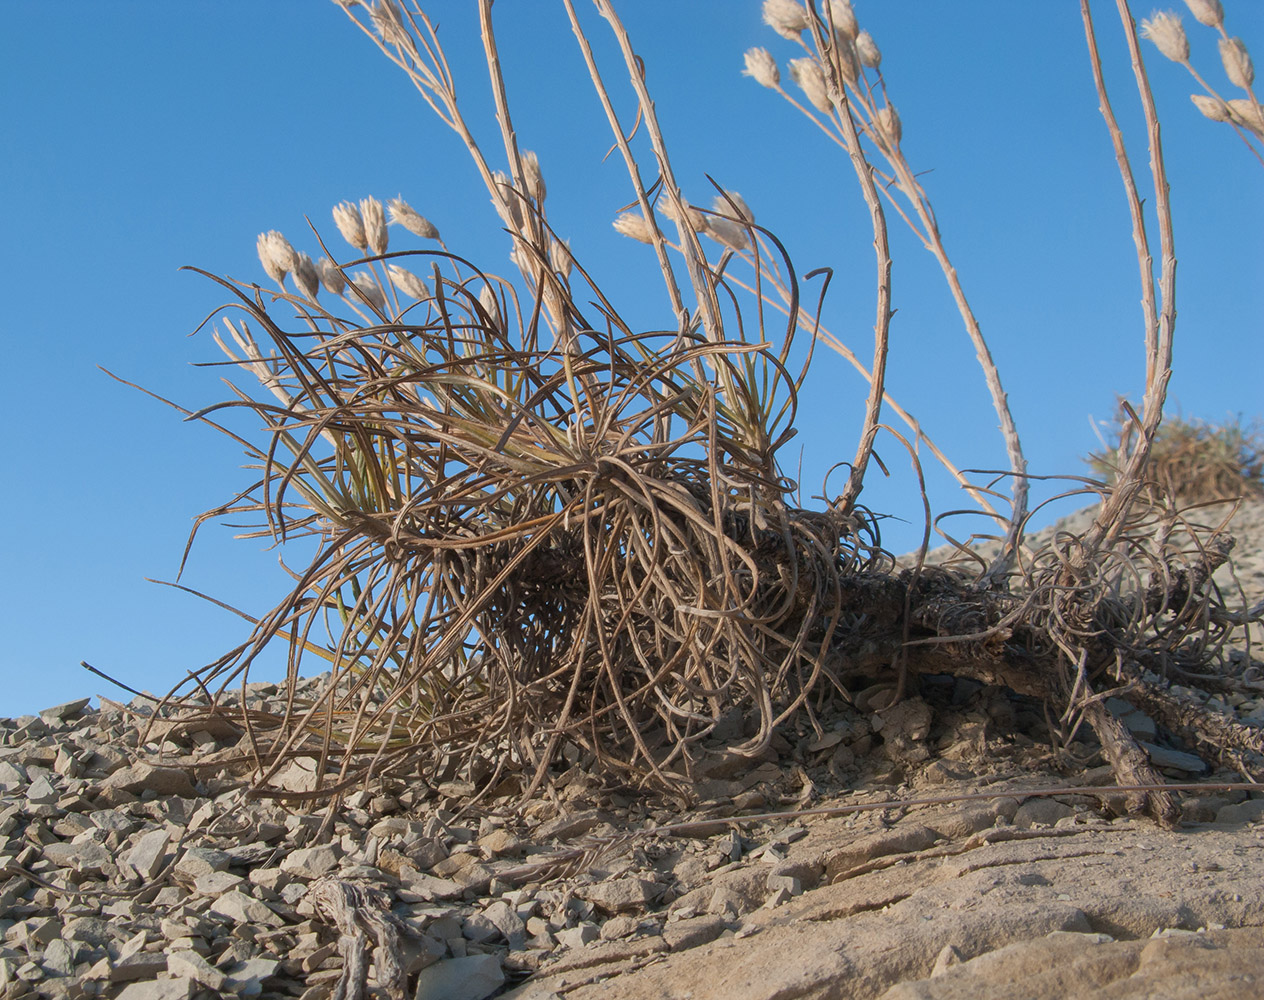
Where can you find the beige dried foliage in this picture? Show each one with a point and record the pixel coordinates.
(367, 285)
(1208, 12)
(732, 204)
(305, 276)
(635, 226)
(728, 233)
(276, 255)
(786, 18)
(407, 282)
(1165, 30)
(1247, 113)
(350, 224)
(887, 120)
(806, 72)
(331, 277)
(1237, 62)
(1211, 107)
(844, 17)
(400, 213)
(868, 51)
(761, 67)
(533, 177)
(375, 231)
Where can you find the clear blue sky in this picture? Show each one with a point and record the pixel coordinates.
(140, 136)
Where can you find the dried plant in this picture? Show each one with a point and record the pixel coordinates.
(538, 529)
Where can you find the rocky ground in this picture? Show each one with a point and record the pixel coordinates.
(149, 873)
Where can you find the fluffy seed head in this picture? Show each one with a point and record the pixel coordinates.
(347, 218)
(1246, 114)
(1208, 12)
(388, 22)
(510, 211)
(867, 49)
(807, 74)
(368, 286)
(533, 178)
(275, 254)
(761, 67)
(888, 122)
(1211, 107)
(845, 26)
(692, 217)
(635, 225)
(1237, 62)
(305, 276)
(1166, 31)
(403, 214)
(786, 18)
(407, 282)
(487, 299)
(333, 279)
(732, 204)
(560, 258)
(374, 224)
(727, 233)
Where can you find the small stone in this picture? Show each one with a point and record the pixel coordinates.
(1165, 757)
(470, 978)
(246, 978)
(197, 968)
(1041, 812)
(149, 853)
(202, 861)
(578, 936)
(140, 965)
(64, 711)
(619, 927)
(1249, 811)
(621, 895)
(179, 988)
(216, 883)
(41, 792)
(311, 862)
(58, 958)
(142, 777)
(243, 909)
(85, 857)
(787, 882)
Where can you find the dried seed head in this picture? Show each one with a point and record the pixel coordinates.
(305, 276)
(727, 233)
(1165, 30)
(560, 258)
(370, 289)
(867, 49)
(407, 282)
(275, 254)
(1237, 62)
(762, 67)
(532, 177)
(693, 218)
(732, 204)
(1247, 114)
(807, 74)
(374, 224)
(347, 218)
(403, 214)
(508, 206)
(1208, 12)
(635, 225)
(491, 305)
(330, 276)
(888, 122)
(848, 63)
(1211, 107)
(388, 22)
(845, 26)
(786, 18)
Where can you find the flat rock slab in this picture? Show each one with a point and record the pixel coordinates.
(1006, 920)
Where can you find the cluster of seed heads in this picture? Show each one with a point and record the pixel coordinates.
(364, 227)
(1166, 31)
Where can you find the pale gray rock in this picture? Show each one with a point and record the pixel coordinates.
(471, 978)
(621, 895)
(41, 792)
(581, 934)
(191, 965)
(311, 862)
(139, 778)
(64, 711)
(149, 853)
(202, 861)
(178, 988)
(243, 909)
